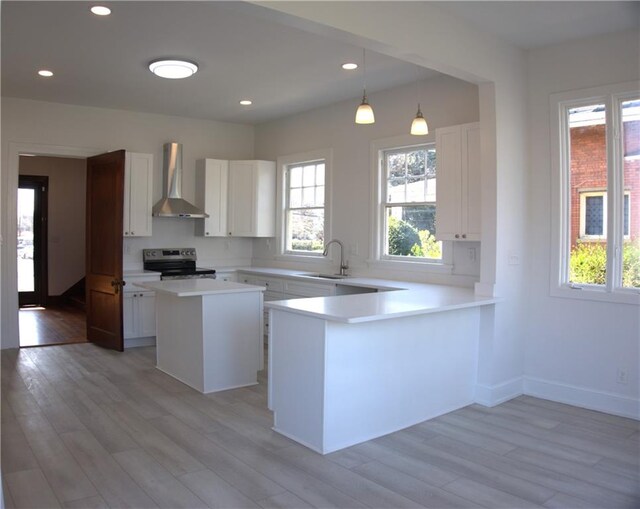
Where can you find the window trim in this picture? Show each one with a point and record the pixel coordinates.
(283, 162)
(377, 258)
(612, 96)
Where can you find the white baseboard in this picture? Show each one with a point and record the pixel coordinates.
(583, 397)
(137, 342)
(492, 395)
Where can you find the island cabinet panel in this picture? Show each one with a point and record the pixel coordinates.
(138, 195)
(211, 342)
(252, 198)
(458, 181)
(333, 385)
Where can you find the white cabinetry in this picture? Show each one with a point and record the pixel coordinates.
(226, 275)
(138, 311)
(211, 196)
(458, 181)
(252, 198)
(138, 194)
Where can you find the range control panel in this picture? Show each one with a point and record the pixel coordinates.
(180, 253)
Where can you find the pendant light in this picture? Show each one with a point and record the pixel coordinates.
(419, 125)
(364, 113)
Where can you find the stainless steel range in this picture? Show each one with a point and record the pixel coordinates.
(175, 263)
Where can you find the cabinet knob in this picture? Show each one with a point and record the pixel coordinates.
(457, 236)
(206, 233)
(132, 233)
(464, 235)
(126, 233)
(229, 233)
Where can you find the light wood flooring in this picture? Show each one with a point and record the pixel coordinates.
(52, 325)
(84, 427)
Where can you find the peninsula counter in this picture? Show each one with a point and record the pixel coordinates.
(346, 369)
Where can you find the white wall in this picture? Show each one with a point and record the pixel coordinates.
(574, 347)
(66, 217)
(444, 101)
(54, 127)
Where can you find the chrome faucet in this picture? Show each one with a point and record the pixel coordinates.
(344, 266)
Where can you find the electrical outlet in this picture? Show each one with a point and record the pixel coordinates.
(227, 245)
(514, 258)
(623, 376)
(354, 249)
(127, 248)
(472, 254)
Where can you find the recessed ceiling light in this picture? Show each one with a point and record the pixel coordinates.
(246, 102)
(349, 66)
(173, 69)
(45, 73)
(100, 10)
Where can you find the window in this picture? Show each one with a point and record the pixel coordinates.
(408, 204)
(303, 218)
(593, 215)
(598, 235)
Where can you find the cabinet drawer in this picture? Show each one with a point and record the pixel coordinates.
(306, 290)
(131, 281)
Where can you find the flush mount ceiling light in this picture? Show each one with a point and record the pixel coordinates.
(45, 73)
(419, 125)
(349, 66)
(364, 113)
(246, 102)
(173, 69)
(100, 10)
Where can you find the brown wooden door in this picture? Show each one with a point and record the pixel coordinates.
(105, 201)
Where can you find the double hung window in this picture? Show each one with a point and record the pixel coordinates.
(408, 204)
(304, 207)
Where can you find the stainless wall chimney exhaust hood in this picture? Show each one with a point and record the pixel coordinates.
(172, 204)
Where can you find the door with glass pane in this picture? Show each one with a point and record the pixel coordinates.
(32, 239)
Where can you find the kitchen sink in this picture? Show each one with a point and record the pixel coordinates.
(324, 276)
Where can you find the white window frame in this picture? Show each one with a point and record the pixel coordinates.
(377, 257)
(612, 97)
(283, 163)
(583, 216)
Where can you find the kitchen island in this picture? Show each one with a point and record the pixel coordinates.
(346, 369)
(209, 332)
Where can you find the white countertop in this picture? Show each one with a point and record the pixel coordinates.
(384, 305)
(198, 287)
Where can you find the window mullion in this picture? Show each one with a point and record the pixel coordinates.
(614, 183)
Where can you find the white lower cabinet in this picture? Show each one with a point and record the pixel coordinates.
(226, 276)
(138, 312)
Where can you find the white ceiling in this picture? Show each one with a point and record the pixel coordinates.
(542, 23)
(102, 61)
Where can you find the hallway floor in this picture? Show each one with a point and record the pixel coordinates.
(53, 325)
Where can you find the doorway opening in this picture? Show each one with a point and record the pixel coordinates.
(51, 250)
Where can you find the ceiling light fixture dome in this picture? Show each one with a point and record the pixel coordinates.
(246, 102)
(100, 10)
(349, 66)
(173, 69)
(45, 73)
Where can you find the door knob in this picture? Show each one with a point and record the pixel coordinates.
(117, 284)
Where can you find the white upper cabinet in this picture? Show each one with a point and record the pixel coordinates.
(252, 198)
(458, 182)
(211, 196)
(138, 194)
